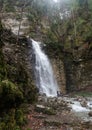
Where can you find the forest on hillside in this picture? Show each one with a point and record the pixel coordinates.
(64, 27)
(66, 22)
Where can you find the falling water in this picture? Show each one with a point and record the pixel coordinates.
(45, 79)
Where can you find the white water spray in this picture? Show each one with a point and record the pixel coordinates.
(45, 79)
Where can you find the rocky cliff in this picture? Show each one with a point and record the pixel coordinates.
(17, 87)
(73, 69)
(59, 72)
(78, 70)
(17, 57)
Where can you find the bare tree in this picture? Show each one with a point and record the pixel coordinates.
(26, 2)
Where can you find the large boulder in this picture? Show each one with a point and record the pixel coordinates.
(90, 113)
(10, 94)
(45, 110)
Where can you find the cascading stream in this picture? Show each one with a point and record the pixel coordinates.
(45, 79)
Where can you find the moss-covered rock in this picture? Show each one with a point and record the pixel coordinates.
(19, 116)
(16, 83)
(45, 110)
(10, 95)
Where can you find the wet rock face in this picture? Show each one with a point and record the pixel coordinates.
(18, 55)
(78, 74)
(72, 75)
(18, 61)
(72, 68)
(59, 72)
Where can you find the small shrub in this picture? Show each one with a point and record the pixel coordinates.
(19, 117)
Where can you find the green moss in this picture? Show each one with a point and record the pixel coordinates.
(19, 117)
(16, 88)
(52, 123)
(13, 120)
(10, 95)
(84, 94)
(49, 111)
(2, 125)
(3, 73)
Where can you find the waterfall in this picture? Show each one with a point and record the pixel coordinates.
(45, 80)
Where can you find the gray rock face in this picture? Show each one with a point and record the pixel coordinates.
(73, 69)
(71, 75)
(59, 71)
(78, 74)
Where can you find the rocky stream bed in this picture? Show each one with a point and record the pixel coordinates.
(62, 113)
